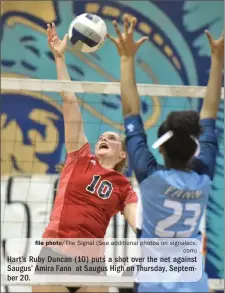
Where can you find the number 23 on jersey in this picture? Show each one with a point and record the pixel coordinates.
(171, 221)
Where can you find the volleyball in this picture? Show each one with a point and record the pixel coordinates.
(87, 32)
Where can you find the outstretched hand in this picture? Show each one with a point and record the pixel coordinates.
(124, 42)
(217, 46)
(57, 46)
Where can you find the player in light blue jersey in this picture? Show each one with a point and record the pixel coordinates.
(173, 196)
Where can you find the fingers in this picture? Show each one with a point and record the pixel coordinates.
(125, 24)
(209, 36)
(141, 41)
(49, 31)
(52, 35)
(117, 30)
(129, 26)
(54, 32)
(55, 39)
(124, 42)
(211, 39)
(132, 26)
(65, 39)
(49, 34)
(112, 39)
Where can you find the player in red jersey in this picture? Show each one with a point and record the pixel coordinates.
(91, 190)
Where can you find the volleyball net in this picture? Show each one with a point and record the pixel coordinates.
(32, 144)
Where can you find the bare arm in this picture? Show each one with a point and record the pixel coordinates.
(73, 124)
(129, 92)
(129, 213)
(141, 159)
(212, 98)
(205, 163)
(127, 49)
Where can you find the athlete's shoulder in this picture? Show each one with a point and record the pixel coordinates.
(128, 194)
(191, 178)
(77, 157)
(84, 151)
(121, 178)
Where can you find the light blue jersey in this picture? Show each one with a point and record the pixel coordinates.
(176, 201)
(172, 201)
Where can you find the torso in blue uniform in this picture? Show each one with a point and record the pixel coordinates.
(172, 201)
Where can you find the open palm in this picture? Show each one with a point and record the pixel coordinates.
(57, 46)
(124, 42)
(217, 46)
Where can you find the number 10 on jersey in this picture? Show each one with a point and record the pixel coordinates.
(104, 188)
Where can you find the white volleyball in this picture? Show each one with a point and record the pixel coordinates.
(87, 32)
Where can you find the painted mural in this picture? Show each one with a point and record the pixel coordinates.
(176, 54)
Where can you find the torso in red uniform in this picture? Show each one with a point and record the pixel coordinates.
(88, 197)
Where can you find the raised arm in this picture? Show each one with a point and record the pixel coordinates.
(212, 98)
(142, 160)
(206, 161)
(73, 124)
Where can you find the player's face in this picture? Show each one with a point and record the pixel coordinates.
(110, 145)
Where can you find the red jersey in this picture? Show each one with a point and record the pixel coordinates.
(88, 197)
